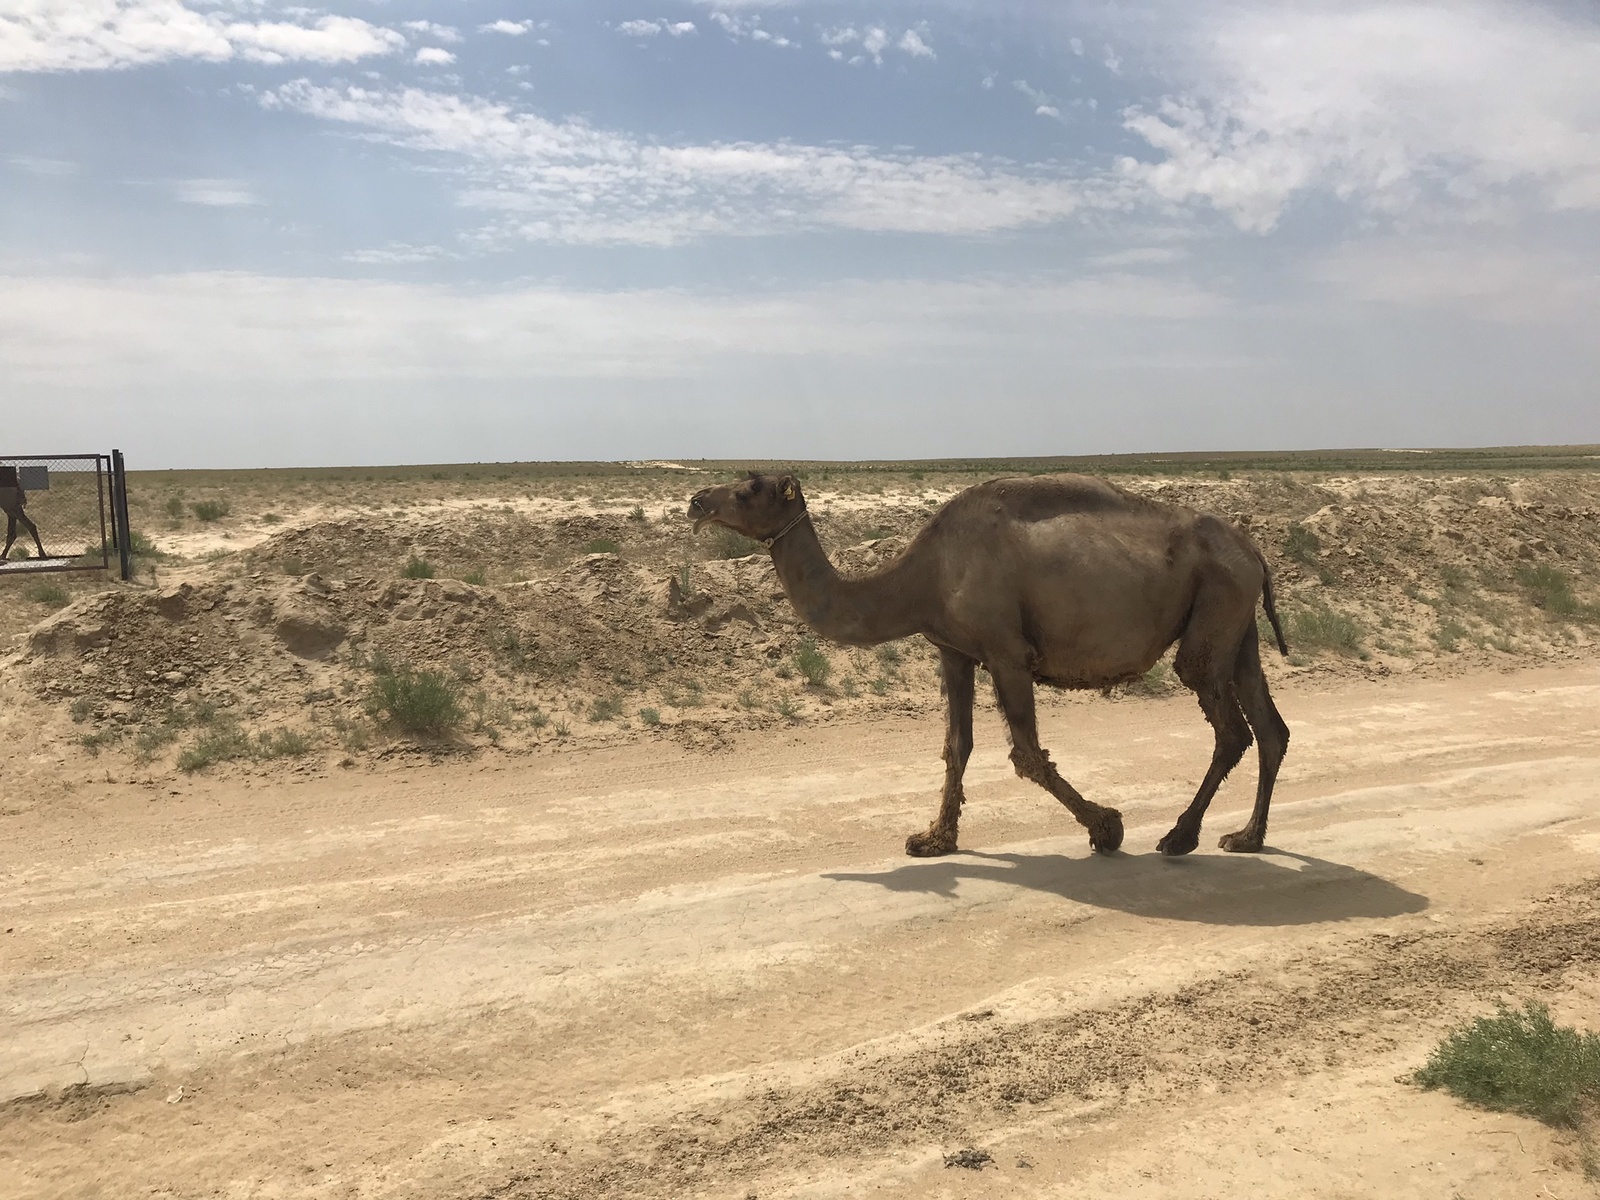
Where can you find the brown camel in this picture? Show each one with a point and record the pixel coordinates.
(1061, 580)
(14, 502)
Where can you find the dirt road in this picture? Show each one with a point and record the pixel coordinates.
(645, 972)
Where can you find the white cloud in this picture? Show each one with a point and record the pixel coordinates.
(85, 35)
(873, 40)
(509, 28)
(680, 28)
(569, 182)
(434, 56)
(1044, 104)
(1077, 46)
(1140, 256)
(443, 33)
(748, 27)
(638, 28)
(112, 333)
(216, 193)
(43, 166)
(911, 42)
(1394, 108)
(1508, 284)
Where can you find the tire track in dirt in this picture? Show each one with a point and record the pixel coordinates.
(1305, 1015)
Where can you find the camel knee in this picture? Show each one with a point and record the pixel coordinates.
(1032, 764)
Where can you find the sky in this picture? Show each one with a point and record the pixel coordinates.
(242, 233)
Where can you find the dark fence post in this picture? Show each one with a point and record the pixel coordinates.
(119, 512)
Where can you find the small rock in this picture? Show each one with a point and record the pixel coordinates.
(175, 678)
(174, 1097)
(972, 1158)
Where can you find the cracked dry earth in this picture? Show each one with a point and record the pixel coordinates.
(640, 972)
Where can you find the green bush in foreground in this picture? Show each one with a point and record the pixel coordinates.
(211, 510)
(1521, 1062)
(417, 568)
(51, 595)
(427, 702)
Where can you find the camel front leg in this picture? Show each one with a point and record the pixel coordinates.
(956, 675)
(34, 529)
(11, 535)
(1013, 688)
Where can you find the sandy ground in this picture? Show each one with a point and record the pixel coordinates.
(638, 971)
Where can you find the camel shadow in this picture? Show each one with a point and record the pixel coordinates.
(1274, 887)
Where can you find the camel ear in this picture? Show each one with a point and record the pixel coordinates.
(788, 487)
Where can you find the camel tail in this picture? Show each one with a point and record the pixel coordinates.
(1266, 603)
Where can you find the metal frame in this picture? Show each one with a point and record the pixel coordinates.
(108, 469)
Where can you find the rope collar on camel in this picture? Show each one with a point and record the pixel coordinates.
(767, 542)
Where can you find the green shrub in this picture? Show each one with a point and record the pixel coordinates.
(476, 578)
(283, 743)
(294, 566)
(80, 710)
(1521, 1062)
(417, 568)
(174, 507)
(729, 544)
(220, 744)
(1302, 544)
(602, 546)
(272, 519)
(1319, 627)
(425, 702)
(1449, 634)
(650, 717)
(636, 514)
(211, 510)
(605, 708)
(1550, 589)
(890, 656)
(788, 706)
(51, 595)
(812, 662)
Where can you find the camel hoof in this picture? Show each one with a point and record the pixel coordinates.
(1243, 842)
(1105, 835)
(1179, 841)
(932, 844)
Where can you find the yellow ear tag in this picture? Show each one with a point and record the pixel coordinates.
(788, 491)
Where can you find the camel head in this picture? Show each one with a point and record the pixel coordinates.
(763, 507)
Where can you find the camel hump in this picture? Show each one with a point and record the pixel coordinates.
(1044, 497)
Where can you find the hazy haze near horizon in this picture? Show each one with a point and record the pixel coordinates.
(242, 232)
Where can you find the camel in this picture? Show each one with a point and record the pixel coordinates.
(1063, 580)
(14, 502)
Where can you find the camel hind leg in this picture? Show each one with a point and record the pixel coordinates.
(957, 673)
(1272, 736)
(11, 535)
(1013, 688)
(1208, 670)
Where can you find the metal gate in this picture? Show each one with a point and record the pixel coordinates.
(64, 512)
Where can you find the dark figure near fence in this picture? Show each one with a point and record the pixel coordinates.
(14, 502)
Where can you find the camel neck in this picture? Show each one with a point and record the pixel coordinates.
(859, 611)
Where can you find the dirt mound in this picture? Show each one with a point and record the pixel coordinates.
(555, 639)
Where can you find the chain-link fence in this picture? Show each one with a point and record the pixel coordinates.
(58, 513)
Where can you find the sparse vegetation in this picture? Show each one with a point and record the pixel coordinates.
(49, 594)
(210, 510)
(602, 546)
(1302, 544)
(417, 568)
(1550, 589)
(414, 701)
(812, 662)
(477, 578)
(636, 514)
(729, 544)
(605, 708)
(1321, 627)
(650, 717)
(1520, 1061)
(788, 708)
